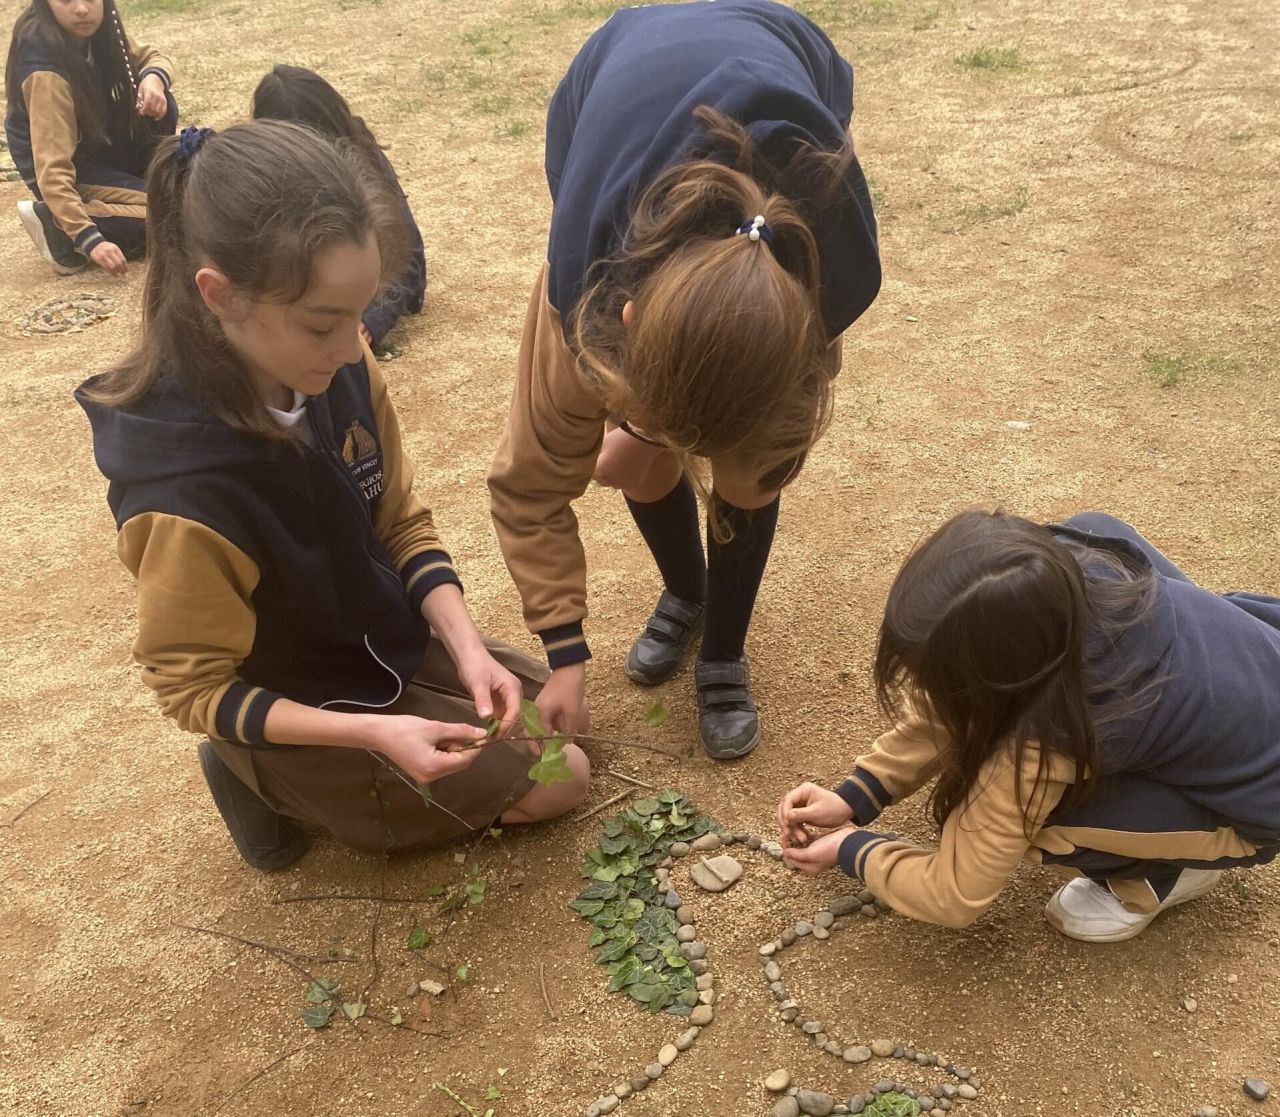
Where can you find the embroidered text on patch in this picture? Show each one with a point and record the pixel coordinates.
(360, 452)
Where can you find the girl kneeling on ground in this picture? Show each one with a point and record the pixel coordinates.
(86, 108)
(712, 238)
(292, 93)
(1081, 704)
(295, 602)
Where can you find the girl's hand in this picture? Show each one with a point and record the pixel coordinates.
(819, 855)
(151, 99)
(563, 701)
(495, 690)
(810, 805)
(420, 748)
(109, 258)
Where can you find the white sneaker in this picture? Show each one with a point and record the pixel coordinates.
(1091, 913)
(68, 262)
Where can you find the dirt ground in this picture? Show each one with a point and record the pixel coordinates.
(1079, 217)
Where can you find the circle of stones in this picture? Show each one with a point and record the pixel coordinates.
(961, 1085)
(62, 315)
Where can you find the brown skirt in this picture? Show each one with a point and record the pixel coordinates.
(363, 803)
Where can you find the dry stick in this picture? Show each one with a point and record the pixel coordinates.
(254, 1078)
(607, 803)
(345, 896)
(13, 821)
(629, 779)
(579, 738)
(373, 931)
(542, 980)
(712, 870)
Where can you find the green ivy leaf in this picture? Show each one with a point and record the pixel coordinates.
(317, 1016)
(475, 890)
(463, 974)
(645, 807)
(321, 990)
(531, 717)
(587, 908)
(552, 766)
(396, 1018)
(419, 939)
(353, 1010)
(657, 713)
(492, 1094)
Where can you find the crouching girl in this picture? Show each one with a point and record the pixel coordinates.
(295, 602)
(1082, 704)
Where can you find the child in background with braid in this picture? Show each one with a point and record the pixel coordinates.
(86, 106)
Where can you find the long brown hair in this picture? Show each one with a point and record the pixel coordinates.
(102, 122)
(259, 202)
(727, 354)
(985, 628)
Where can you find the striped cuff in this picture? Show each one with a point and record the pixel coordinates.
(865, 795)
(242, 714)
(88, 239)
(168, 81)
(565, 644)
(424, 572)
(852, 857)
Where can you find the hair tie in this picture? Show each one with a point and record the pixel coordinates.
(190, 140)
(756, 229)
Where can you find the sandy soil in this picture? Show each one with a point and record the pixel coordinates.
(1050, 232)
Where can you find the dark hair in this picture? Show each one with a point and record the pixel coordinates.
(985, 631)
(302, 96)
(103, 122)
(727, 355)
(236, 204)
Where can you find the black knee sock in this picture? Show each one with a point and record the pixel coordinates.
(734, 571)
(670, 528)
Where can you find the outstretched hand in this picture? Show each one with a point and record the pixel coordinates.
(810, 805)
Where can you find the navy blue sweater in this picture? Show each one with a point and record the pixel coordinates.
(623, 114)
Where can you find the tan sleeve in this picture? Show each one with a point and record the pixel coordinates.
(900, 763)
(196, 624)
(54, 137)
(148, 58)
(544, 462)
(401, 520)
(979, 850)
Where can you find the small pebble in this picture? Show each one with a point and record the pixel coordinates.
(772, 971)
(949, 1090)
(1206, 1111)
(654, 1071)
(678, 849)
(640, 1083)
(686, 933)
(1190, 1004)
(789, 1015)
(814, 1103)
(593, 1110)
(859, 1054)
(412, 990)
(672, 899)
(857, 1103)
(768, 949)
(702, 1016)
(699, 966)
(740, 835)
(685, 1039)
(707, 997)
(884, 1086)
(882, 1048)
(785, 1107)
(899, 1052)
(923, 1060)
(1257, 1089)
(812, 1027)
(693, 950)
(821, 933)
(778, 990)
(844, 905)
(753, 842)
(608, 1103)
(778, 1081)
(703, 983)
(824, 919)
(622, 1090)
(788, 937)
(966, 1091)
(668, 1054)
(706, 843)
(1232, 979)
(832, 1048)
(684, 916)
(802, 928)
(869, 910)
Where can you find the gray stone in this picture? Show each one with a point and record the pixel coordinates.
(753, 842)
(789, 1015)
(821, 933)
(693, 950)
(857, 1103)
(687, 933)
(866, 896)
(814, 1103)
(666, 863)
(593, 1110)
(684, 916)
(622, 1091)
(962, 1073)
(926, 1102)
(802, 928)
(788, 937)
(778, 1081)
(858, 1054)
(964, 1090)
(608, 1103)
(772, 971)
(785, 1107)
(841, 1109)
(884, 1086)
(672, 899)
(685, 1039)
(949, 1090)
(703, 983)
(701, 1016)
(832, 1048)
(778, 990)
(707, 997)
(699, 966)
(678, 849)
(869, 910)
(820, 1039)
(706, 843)
(844, 905)
(1206, 1111)
(812, 1027)
(715, 874)
(740, 835)
(906, 1053)
(1256, 1089)
(653, 1071)
(667, 1054)
(881, 1048)
(639, 1083)
(923, 1060)
(768, 949)
(824, 919)
(1190, 1004)
(789, 1004)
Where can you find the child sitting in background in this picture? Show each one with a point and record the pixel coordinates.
(1081, 704)
(304, 97)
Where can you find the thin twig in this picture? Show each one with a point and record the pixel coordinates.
(542, 980)
(373, 934)
(39, 798)
(282, 953)
(629, 779)
(579, 738)
(254, 1078)
(346, 896)
(607, 803)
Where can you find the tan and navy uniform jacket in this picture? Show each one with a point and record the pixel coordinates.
(1194, 771)
(268, 570)
(46, 142)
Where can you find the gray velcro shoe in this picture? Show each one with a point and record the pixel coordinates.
(660, 648)
(727, 719)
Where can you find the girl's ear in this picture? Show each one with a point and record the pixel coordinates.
(216, 290)
(628, 313)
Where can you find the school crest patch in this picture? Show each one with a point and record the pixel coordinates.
(360, 452)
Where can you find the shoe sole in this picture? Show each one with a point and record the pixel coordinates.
(1055, 919)
(637, 676)
(748, 747)
(35, 230)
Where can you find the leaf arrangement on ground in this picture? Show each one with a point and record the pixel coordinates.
(634, 931)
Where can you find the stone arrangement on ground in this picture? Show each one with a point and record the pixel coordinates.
(68, 315)
(637, 843)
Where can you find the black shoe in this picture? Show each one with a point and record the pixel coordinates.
(266, 840)
(727, 719)
(659, 650)
(51, 242)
